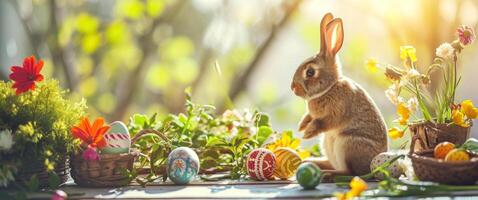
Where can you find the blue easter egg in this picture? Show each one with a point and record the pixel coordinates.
(183, 165)
(117, 139)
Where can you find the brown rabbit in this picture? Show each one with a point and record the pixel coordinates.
(354, 129)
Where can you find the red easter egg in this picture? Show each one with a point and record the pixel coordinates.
(260, 164)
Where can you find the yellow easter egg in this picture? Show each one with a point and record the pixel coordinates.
(287, 162)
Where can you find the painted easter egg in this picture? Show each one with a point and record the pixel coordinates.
(183, 165)
(308, 175)
(287, 161)
(260, 164)
(117, 139)
(394, 169)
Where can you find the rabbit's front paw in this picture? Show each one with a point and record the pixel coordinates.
(312, 129)
(304, 122)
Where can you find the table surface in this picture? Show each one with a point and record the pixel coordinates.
(226, 189)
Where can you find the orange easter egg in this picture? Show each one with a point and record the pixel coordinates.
(442, 149)
(457, 155)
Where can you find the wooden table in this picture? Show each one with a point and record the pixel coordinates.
(227, 189)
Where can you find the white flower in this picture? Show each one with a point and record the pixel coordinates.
(6, 140)
(412, 104)
(445, 50)
(392, 94)
(413, 73)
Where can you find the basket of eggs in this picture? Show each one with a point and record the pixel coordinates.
(448, 163)
(105, 152)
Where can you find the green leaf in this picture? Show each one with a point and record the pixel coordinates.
(471, 145)
(263, 134)
(54, 180)
(215, 141)
(262, 119)
(140, 120)
(33, 184)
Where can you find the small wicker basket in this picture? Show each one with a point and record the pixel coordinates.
(428, 168)
(107, 171)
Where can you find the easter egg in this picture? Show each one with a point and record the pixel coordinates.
(260, 164)
(287, 161)
(117, 139)
(442, 149)
(183, 165)
(394, 169)
(457, 155)
(308, 175)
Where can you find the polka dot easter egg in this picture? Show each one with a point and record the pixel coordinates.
(183, 165)
(260, 164)
(308, 175)
(287, 161)
(117, 139)
(394, 169)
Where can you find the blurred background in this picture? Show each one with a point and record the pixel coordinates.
(138, 56)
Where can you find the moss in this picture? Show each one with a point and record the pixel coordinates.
(40, 121)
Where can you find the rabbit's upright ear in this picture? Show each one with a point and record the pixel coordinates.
(323, 25)
(334, 37)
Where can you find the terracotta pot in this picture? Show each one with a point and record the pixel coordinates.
(426, 135)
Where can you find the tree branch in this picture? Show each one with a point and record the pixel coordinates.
(239, 83)
(58, 53)
(135, 80)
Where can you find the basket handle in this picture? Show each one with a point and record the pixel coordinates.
(146, 131)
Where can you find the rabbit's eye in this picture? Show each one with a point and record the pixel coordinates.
(310, 72)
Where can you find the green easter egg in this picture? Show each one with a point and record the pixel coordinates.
(308, 175)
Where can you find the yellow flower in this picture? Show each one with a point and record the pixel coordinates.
(408, 52)
(395, 133)
(372, 64)
(469, 109)
(357, 186)
(340, 196)
(303, 153)
(459, 118)
(287, 141)
(404, 113)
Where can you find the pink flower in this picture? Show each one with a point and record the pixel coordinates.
(59, 195)
(466, 35)
(91, 154)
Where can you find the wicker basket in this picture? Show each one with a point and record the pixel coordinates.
(428, 168)
(107, 171)
(426, 135)
(62, 169)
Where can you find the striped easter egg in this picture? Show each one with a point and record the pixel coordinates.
(308, 175)
(287, 161)
(260, 164)
(117, 139)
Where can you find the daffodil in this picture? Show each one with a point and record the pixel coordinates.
(372, 64)
(469, 109)
(286, 140)
(408, 52)
(459, 118)
(395, 133)
(404, 112)
(357, 186)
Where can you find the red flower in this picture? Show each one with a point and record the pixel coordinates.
(92, 135)
(25, 77)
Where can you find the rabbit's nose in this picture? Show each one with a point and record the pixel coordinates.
(297, 89)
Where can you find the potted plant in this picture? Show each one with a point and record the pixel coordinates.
(438, 117)
(35, 121)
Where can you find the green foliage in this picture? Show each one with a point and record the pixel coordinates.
(222, 142)
(40, 121)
